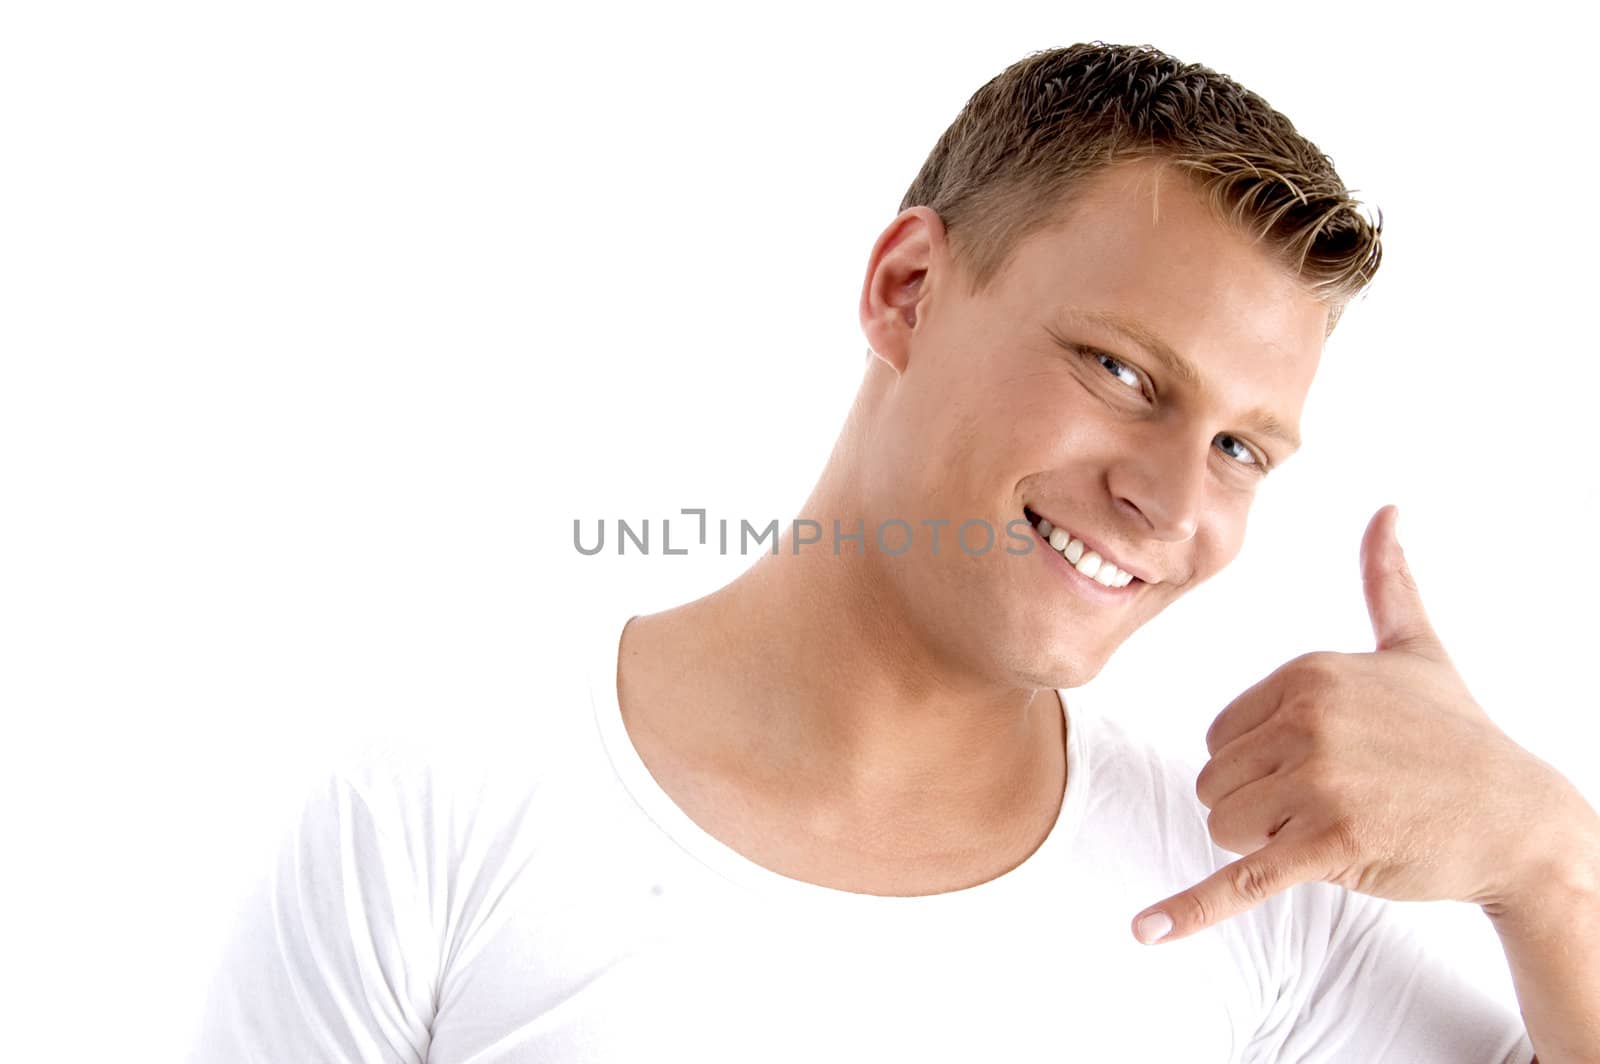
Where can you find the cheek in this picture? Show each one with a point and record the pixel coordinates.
(922, 458)
(1048, 425)
(1220, 541)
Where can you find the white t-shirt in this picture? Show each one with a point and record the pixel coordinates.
(539, 897)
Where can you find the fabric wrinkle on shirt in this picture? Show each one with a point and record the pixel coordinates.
(537, 896)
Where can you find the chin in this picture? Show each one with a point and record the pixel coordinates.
(1065, 672)
(1076, 675)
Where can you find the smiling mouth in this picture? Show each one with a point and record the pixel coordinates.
(1087, 562)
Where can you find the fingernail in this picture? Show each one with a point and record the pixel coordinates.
(1153, 927)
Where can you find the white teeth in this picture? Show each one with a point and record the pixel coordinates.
(1087, 562)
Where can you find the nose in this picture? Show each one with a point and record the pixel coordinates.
(1160, 481)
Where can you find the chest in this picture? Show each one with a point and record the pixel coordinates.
(645, 971)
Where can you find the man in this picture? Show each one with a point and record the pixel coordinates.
(841, 809)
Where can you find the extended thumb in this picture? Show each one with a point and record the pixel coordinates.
(1394, 604)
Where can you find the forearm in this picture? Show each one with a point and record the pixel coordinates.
(1550, 930)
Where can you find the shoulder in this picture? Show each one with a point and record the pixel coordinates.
(494, 758)
(392, 854)
(432, 795)
(451, 797)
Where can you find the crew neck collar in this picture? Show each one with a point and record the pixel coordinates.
(1034, 871)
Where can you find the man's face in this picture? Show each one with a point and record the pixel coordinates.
(1048, 396)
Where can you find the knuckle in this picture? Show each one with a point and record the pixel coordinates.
(1206, 911)
(1228, 832)
(1216, 731)
(1322, 787)
(1344, 839)
(1251, 881)
(1310, 715)
(1318, 669)
(1217, 825)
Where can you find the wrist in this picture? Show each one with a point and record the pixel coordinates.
(1557, 876)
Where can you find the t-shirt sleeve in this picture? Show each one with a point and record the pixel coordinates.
(1357, 984)
(332, 958)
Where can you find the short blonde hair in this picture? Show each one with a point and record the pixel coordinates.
(1006, 167)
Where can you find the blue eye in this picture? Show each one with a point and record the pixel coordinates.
(1245, 455)
(1231, 445)
(1112, 365)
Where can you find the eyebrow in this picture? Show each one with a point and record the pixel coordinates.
(1262, 419)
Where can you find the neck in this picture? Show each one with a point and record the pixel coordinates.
(814, 683)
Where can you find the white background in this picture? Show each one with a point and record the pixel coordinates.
(321, 323)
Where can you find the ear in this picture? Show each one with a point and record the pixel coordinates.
(897, 282)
